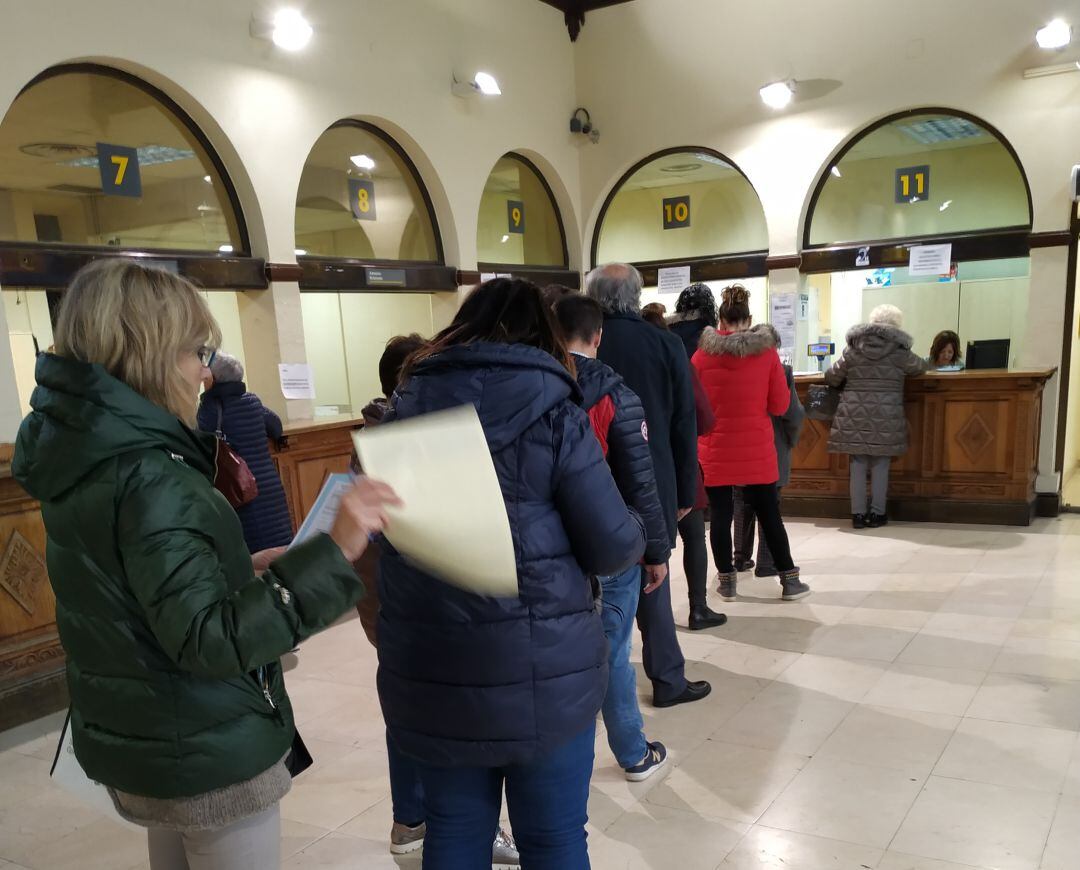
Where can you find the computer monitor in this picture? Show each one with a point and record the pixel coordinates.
(988, 353)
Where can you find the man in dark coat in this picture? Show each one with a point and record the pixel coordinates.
(653, 363)
(229, 409)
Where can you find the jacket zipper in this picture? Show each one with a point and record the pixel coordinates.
(264, 680)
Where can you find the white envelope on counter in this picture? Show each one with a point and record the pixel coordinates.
(453, 523)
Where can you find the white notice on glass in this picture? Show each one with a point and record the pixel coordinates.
(325, 510)
(487, 276)
(453, 522)
(782, 316)
(296, 381)
(673, 279)
(930, 260)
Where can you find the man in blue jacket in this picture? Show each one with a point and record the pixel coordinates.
(653, 363)
(619, 423)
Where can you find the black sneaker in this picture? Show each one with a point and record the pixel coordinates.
(654, 760)
(858, 521)
(876, 521)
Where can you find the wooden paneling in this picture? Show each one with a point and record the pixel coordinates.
(307, 455)
(31, 658)
(972, 456)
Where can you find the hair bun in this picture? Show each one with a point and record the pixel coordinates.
(736, 294)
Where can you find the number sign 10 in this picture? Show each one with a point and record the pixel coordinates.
(676, 212)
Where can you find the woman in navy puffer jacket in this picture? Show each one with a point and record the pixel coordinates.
(246, 425)
(485, 692)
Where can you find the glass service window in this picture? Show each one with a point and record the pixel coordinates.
(519, 223)
(681, 205)
(919, 175)
(361, 198)
(90, 156)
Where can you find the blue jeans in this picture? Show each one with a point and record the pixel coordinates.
(622, 716)
(406, 795)
(547, 799)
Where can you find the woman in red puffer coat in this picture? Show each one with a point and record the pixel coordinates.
(744, 380)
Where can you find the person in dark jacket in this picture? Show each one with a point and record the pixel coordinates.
(485, 692)
(870, 425)
(391, 363)
(787, 428)
(694, 310)
(619, 423)
(744, 379)
(653, 364)
(230, 411)
(172, 637)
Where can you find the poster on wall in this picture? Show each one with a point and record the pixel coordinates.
(673, 279)
(782, 308)
(296, 381)
(930, 260)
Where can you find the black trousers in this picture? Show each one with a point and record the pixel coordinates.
(660, 651)
(695, 555)
(763, 498)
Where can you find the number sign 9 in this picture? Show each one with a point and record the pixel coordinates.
(515, 216)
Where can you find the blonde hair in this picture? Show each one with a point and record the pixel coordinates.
(135, 322)
(890, 315)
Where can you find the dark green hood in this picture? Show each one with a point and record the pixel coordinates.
(83, 416)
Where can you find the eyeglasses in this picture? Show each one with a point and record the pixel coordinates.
(206, 355)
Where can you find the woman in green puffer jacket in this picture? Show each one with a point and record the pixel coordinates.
(172, 636)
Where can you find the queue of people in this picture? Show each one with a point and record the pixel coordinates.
(610, 429)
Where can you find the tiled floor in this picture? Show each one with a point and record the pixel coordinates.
(919, 712)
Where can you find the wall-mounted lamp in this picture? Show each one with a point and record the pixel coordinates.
(483, 84)
(1056, 34)
(778, 94)
(286, 28)
(584, 125)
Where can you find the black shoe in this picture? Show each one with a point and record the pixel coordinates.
(858, 521)
(876, 521)
(744, 566)
(759, 571)
(703, 617)
(693, 692)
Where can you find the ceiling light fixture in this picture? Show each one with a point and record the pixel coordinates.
(362, 161)
(945, 205)
(288, 29)
(208, 179)
(1037, 72)
(300, 252)
(1056, 34)
(225, 249)
(778, 94)
(505, 238)
(483, 84)
(836, 172)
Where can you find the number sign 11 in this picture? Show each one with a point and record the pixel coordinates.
(676, 212)
(913, 184)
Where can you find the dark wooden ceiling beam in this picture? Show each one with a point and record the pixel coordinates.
(574, 12)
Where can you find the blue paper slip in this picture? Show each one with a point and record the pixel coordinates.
(324, 512)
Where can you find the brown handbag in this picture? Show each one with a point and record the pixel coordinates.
(232, 477)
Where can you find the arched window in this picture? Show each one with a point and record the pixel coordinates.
(919, 174)
(683, 204)
(361, 198)
(519, 222)
(90, 156)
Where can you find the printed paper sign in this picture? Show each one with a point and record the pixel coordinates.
(782, 316)
(673, 279)
(930, 260)
(296, 381)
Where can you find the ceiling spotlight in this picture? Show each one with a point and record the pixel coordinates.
(505, 238)
(208, 179)
(225, 249)
(1056, 34)
(287, 29)
(945, 205)
(836, 171)
(483, 84)
(362, 161)
(778, 94)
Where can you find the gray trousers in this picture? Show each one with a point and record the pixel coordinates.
(879, 483)
(250, 844)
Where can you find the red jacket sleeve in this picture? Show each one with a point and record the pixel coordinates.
(779, 394)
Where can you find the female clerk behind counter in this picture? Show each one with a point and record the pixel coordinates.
(945, 352)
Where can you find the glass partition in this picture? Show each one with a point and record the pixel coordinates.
(685, 204)
(919, 174)
(519, 222)
(92, 156)
(360, 197)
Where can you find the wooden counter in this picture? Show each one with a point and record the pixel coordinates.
(973, 447)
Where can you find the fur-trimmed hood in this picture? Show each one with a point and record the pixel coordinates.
(738, 344)
(684, 317)
(876, 340)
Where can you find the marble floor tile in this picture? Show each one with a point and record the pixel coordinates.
(1062, 850)
(926, 688)
(786, 718)
(855, 641)
(772, 849)
(656, 837)
(1028, 700)
(903, 740)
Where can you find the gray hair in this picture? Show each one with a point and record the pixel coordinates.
(226, 368)
(616, 286)
(890, 315)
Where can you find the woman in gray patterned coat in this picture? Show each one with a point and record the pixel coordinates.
(869, 423)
